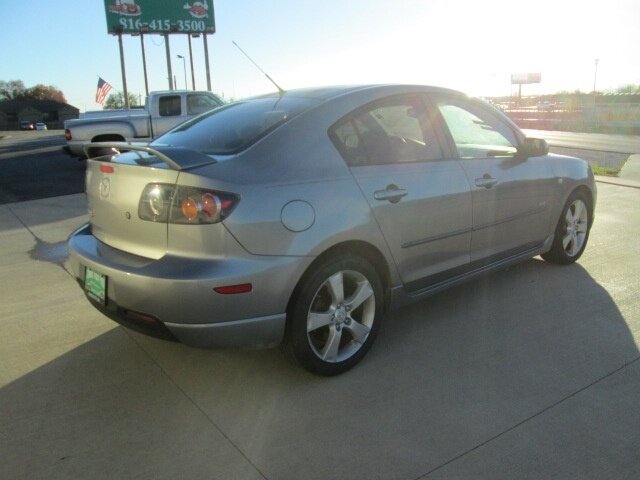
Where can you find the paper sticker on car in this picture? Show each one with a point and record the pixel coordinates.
(95, 284)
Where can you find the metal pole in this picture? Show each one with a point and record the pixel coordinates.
(144, 65)
(124, 75)
(168, 50)
(206, 59)
(193, 78)
(595, 75)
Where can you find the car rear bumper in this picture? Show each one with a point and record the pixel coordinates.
(173, 297)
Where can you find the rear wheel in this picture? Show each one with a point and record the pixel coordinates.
(335, 315)
(572, 231)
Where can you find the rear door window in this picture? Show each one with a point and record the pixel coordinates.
(394, 130)
(198, 103)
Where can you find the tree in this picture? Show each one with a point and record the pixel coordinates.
(11, 90)
(45, 92)
(116, 100)
(629, 88)
(15, 90)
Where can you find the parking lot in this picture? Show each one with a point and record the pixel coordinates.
(531, 372)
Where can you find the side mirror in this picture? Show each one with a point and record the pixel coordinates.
(533, 147)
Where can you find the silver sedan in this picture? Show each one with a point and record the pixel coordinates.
(301, 218)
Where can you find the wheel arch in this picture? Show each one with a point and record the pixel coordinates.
(108, 137)
(588, 193)
(358, 248)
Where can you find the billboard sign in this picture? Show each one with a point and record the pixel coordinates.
(523, 78)
(159, 16)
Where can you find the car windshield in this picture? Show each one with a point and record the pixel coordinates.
(232, 128)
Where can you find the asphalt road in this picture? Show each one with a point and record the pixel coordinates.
(33, 166)
(628, 144)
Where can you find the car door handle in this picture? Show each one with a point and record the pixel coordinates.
(486, 181)
(392, 194)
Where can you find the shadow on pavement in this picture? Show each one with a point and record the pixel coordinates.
(445, 375)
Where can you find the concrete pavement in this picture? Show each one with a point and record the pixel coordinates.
(531, 372)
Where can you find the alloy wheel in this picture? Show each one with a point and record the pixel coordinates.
(341, 316)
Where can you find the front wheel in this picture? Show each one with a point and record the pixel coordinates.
(335, 315)
(572, 231)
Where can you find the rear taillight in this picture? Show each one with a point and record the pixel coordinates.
(186, 205)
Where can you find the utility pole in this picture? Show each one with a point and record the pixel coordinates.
(595, 74)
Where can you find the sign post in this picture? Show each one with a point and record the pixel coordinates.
(144, 65)
(193, 78)
(124, 75)
(168, 51)
(206, 60)
(524, 78)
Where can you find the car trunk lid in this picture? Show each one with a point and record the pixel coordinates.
(114, 187)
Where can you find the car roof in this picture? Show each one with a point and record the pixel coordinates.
(329, 92)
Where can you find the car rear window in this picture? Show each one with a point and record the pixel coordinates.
(234, 127)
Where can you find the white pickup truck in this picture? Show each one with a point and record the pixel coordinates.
(164, 110)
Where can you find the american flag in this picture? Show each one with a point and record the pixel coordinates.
(103, 89)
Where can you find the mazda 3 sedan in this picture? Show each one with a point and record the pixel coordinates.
(301, 218)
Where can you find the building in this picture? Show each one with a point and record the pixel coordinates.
(50, 112)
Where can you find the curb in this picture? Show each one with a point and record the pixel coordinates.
(620, 182)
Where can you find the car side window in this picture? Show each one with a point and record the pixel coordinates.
(169, 106)
(476, 133)
(396, 130)
(200, 103)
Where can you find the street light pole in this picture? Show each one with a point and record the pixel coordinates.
(184, 66)
(595, 74)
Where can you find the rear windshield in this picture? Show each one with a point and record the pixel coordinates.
(232, 128)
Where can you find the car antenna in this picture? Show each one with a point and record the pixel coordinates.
(280, 90)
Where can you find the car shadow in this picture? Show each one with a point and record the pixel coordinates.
(445, 374)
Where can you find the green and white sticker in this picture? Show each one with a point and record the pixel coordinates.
(95, 285)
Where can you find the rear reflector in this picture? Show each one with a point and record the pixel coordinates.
(141, 317)
(107, 169)
(233, 289)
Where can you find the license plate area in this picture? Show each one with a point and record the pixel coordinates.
(95, 285)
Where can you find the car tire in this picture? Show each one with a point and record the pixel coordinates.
(572, 230)
(335, 315)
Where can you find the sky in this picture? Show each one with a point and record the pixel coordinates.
(473, 46)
